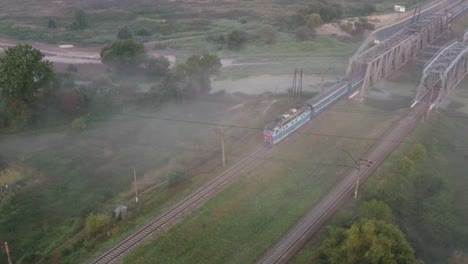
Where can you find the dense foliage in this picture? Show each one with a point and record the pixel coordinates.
(25, 80)
(123, 54)
(423, 203)
(237, 39)
(124, 33)
(367, 242)
(80, 20)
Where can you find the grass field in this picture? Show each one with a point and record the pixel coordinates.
(78, 173)
(162, 19)
(242, 222)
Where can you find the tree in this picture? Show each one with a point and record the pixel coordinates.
(97, 224)
(158, 67)
(313, 21)
(191, 78)
(199, 69)
(24, 75)
(376, 210)
(123, 53)
(327, 11)
(236, 39)
(267, 34)
(367, 242)
(52, 23)
(417, 153)
(81, 19)
(124, 33)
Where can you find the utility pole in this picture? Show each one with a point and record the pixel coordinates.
(7, 251)
(358, 165)
(135, 183)
(292, 94)
(299, 92)
(221, 133)
(430, 102)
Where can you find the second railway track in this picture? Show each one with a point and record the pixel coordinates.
(293, 239)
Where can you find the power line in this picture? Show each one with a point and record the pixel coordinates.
(331, 109)
(261, 129)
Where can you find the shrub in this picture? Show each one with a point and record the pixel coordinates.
(236, 39)
(267, 34)
(79, 123)
(143, 32)
(158, 67)
(52, 23)
(80, 21)
(304, 33)
(176, 177)
(97, 224)
(124, 33)
(18, 114)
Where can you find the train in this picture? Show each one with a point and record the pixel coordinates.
(294, 118)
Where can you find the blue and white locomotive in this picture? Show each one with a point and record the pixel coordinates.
(295, 118)
(286, 124)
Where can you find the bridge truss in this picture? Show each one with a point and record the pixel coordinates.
(380, 61)
(444, 71)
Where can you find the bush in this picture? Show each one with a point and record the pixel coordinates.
(304, 33)
(123, 53)
(357, 28)
(52, 23)
(236, 39)
(17, 114)
(96, 224)
(143, 32)
(124, 33)
(80, 21)
(267, 34)
(79, 123)
(157, 67)
(176, 177)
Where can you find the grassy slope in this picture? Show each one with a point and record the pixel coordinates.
(91, 171)
(243, 221)
(28, 20)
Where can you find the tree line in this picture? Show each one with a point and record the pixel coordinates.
(30, 88)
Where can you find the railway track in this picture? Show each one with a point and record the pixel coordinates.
(179, 210)
(295, 238)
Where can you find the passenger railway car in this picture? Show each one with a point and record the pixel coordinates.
(295, 118)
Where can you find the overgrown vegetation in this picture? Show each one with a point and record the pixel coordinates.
(372, 238)
(25, 84)
(423, 206)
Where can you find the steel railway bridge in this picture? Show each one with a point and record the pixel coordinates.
(443, 72)
(381, 60)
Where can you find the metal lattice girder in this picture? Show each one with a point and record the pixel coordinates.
(465, 37)
(444, 71)
(381, 60)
